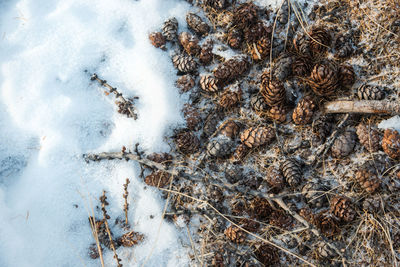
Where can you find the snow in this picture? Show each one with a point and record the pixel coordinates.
(391, 123)
(51, 114)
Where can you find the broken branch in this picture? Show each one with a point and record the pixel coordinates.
(383, 107)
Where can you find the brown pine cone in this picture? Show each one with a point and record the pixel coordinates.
(301, 66)
(369, 138)
(260, 209)
(211, 122)
(197, 24)
(342, 208)
(391, 143)
(234, 38)
(307, 214)
(206, 54)
(130, 239)
(102, 233)
(185, 83)
(343, 145)
(249, 224)
(239, 153)
(192, 116)
(326, 223)
(208, 83)
(187, 142)
(324, 79)
(217, 4)
(304, 111)
(93, 251)
(320, 40)
(343, 46)
(170, 29)
(277, 113)
(245, 15)
(272, 90)
(347, 76)
(230, 97)
(157, 40)
(230, 129)
(157, 179)
(257, 136)
(231, 69)
(261, 49)
(160, 157)
(190, 43)
(280, 218)
(370, 92)
(315, 194)
(368, 180)
(219, 147)
(256, 31)
(302, 45)
(267, 255)
(291, 170)
(275, 179)
(257, 102)
(235, 234)
(321, 128)
(184, 63)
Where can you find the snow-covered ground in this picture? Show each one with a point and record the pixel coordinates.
(51, 114)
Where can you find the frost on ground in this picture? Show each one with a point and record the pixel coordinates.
(51, 114)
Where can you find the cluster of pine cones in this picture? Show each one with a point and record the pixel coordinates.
(255, 123)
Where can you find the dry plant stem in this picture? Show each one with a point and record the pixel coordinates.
(126, 205)
(118, 95)
(363, 106)
(92, 222)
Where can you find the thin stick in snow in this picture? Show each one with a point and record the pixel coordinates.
(383, 107)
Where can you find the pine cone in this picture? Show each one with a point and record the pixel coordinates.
(130, 239)
(191, 116)
(307, 214)
(239, 153)
(267, 255)
(261, 49)
(343, 145)
(323, 250)
(245, 15)
(93, 251)
(219, 147)
(304, 111)
(372, 204)
(230, 129)
(197, 24)
(324, 78)
(231, 69)
(369, 138)
(368, 180)
(187, 142)
(346, 75)
(272, 90)
(217, 4)
(235, 234)
(157, 179)
(257, 136)
(190, 43)
(256, 32)
(234, 38)
(370, 92)
(275, 179)
(342, 208)
(102, 232)
(282, 68)
(157, 40)
(301, 66)
(170, 29)
(327, 224)
(161, 158)
(291, 170)
(258, 103)
(280, 218)
(208, 83)
(184, 63)
(211, 122)
(321, 128)
(302, 45)
(260, 209)
(343, 46)
(277, 113)
(315, 194)
(391, 143)
(206, 55)
(320, 40)
(249, 225)
(185, 83)
(230, 97)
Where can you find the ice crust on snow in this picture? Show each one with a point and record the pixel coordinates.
(51, 114)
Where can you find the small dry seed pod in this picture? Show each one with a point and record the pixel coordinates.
(275, 179)
(239, 153)
(272, 90)
(257, 136)
(372, 204)
(343, 144)
(230, 97)
(190, 43)
(261, 49)
(320, 40)
(217, 4)
(307, 214)
(291, 170)
(343, 46)
(192, 116)
(211, 123)
(302, 45)
(277, 113)
(257, 102)
(370, 92)
(157, 179)
(304, 111)
(130, 239)
(235, 234)
(323, 250)
(197, 24)
(231, 69)
(184, 63)
(301, 66)
(206, 54)
(170, 29)
(157, 40)
(234, 38)
(315, 194)
(347, 76)
(391, 143)
(342, 208)
(187, 142)
(369, 138)
(185, 83)
(267, 255)
(245, 15)
(220, 147)
(324, 79)
(326, 223)
(230, 129)
(257, 31)
(208, 83)
(368, 180)
(161, 158)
